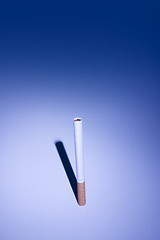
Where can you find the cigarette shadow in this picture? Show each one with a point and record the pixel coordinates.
(67, 167)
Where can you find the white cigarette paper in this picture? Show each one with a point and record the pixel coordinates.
(79, 161)
(79, 149)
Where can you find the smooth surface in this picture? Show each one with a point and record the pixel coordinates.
(99, 62)
(78, 143)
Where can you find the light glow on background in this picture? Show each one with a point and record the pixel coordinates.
(105, 72)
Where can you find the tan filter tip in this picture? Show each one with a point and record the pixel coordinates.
(81, 193)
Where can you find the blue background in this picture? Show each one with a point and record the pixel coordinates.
(98, 61)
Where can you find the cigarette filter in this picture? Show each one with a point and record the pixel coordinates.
(79, 161)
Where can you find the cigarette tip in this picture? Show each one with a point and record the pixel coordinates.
(77, 119)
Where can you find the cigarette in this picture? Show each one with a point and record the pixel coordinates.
(79, 161)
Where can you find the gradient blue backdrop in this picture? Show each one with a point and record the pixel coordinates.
(98, 61)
